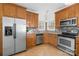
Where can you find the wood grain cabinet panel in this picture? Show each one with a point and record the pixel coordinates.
(77, 49)
(77, 46)
(36, 20)
(52, 39)
(71, 12)
(30, 40)
(77, 13)
(45, 40)
(1, 14)
(21, 12)
(28, 18)
(1, 10)
(32, 19)
(57, 20)
(9, 10)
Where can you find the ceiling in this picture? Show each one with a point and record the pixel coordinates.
(42, 7)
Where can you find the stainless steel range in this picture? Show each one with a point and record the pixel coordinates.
(66, 40)
(66, 43)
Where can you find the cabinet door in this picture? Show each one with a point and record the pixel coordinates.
(77, 13)
(12, 10)
(77, 46)
(53, 39)
(62, 14)
(21, 12)
(30, 40)
(9, 10)
(32, 19)
(6, 10)
(57, 20)
(77, 49)
(1, 10)
(28, 19)
(71, 12)
(46, 39)
(36, 20)
(1, 14)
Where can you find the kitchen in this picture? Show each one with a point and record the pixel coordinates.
(39, 29)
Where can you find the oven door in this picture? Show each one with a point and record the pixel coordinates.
(66, 42)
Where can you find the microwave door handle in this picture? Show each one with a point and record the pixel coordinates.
(14, 31)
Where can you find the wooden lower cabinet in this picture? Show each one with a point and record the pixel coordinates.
(45, 40)
(50, 38)
(30, 40)
(77, 49)
(77, 46)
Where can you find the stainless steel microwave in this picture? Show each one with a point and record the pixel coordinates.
(69, 22)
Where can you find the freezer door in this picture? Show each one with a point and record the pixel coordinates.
(20, 40)
(8, 41)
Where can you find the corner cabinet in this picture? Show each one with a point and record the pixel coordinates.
(50, 38)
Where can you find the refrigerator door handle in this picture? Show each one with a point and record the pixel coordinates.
(14, 31)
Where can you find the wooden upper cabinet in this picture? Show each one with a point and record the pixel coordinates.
(57, 19)
(13, 10)
(32, 19)
(1, 10)
(66, 13)
(77, 13)
(9, 10)
(21, 12)
(28, 19)
(1, 14)
(62, 15)
(36, 20)
(77, 9)
(71, 12)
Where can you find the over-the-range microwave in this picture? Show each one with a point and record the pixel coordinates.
(69, 22)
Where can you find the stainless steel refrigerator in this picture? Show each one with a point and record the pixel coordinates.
(14, 35)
